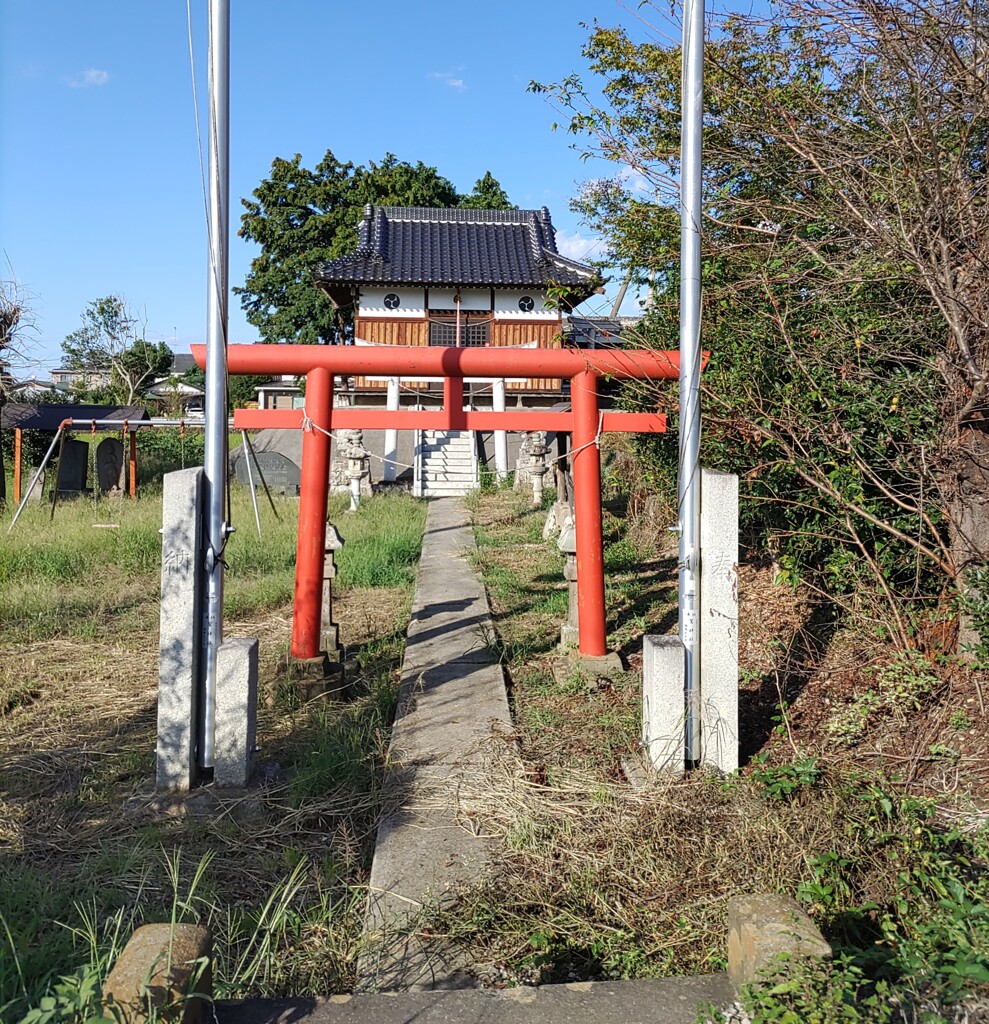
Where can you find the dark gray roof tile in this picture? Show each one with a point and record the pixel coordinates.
(426, 246)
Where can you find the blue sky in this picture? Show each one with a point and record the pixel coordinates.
(100, 188)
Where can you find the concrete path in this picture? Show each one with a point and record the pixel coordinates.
(660, 1001)
(452, 702)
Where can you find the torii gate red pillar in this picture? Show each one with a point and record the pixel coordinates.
(586, 422)
(315, 486)
(587, 514)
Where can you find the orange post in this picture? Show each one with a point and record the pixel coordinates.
(315, 483)
(587, 514)
(17, 465)
(132, 467)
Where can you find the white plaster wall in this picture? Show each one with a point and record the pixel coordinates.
(470, 298)
(413, 302)
(507, 306)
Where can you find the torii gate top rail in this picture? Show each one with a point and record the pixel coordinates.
(584, 422)
(407, 361)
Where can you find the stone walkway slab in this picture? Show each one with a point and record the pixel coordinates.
(451, 703)
(659, 1001)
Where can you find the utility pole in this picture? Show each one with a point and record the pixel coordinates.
(215, 460)
(688, 479)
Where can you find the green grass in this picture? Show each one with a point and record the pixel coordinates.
(78, 624)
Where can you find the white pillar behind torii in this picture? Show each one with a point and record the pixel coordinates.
(390, 469)
(500, 436)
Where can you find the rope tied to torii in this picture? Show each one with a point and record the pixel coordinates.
(309, 425)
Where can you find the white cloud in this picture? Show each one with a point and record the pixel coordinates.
(633, 179)
(450, 78)
(576, 246)
(88, 78)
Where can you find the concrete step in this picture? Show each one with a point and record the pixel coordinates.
(656, 1001)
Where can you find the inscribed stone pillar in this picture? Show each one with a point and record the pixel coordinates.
(181, 628)
(718, 616)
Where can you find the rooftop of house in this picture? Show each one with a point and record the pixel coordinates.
(181, 362)
(416, 245)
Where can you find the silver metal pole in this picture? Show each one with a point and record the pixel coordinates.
(688, 482)
(250, 481)
(215, 459)
(37, 477)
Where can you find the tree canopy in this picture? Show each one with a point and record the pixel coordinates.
(844, 257)
(116, 362)
(487, 194)
(299, 217)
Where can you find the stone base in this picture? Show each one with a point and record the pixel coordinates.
(244, 806)
(593, 667)
(569, 637)
(310, 678)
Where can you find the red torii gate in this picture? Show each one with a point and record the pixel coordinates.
(320, 364)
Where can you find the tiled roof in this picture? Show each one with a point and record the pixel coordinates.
(29, 416)
(425, 246)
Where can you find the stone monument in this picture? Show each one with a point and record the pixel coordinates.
(110, 466)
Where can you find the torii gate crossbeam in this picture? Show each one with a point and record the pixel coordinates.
(320, 364)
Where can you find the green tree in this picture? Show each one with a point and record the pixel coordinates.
(844, 257)
(299, 217)
(116, 362)
(487, 195)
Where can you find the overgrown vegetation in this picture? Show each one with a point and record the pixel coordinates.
(603, 880)
(84, 856)
(844, 242)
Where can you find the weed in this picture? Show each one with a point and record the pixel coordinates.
(901, 687)
(781, 782)
(796, 991)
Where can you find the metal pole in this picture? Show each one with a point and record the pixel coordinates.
(688, 482)
(500, 436)
(389, 469)
(215, 460)
(250, 480)
(37, 477)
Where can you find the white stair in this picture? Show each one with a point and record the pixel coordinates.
(446, 463)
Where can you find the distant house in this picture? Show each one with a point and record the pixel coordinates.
(281, 392)
(182, 363)
(175, 397)
(65, 378)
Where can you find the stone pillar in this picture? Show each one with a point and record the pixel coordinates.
(500, 436)
(179, 651)
(330, 630)
(389, 470)
(718, 615)
(570, 630)
(537, 453)
(663, 708)
(236, 712)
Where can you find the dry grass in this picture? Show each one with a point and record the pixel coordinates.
(602, 880)
(78, 692)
